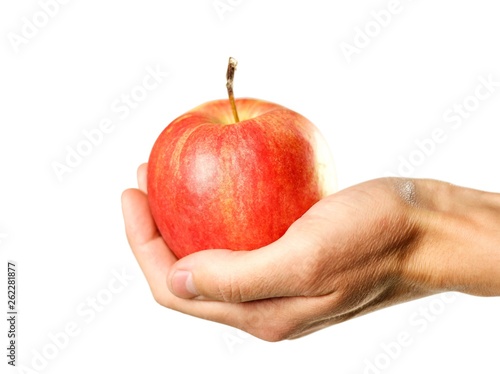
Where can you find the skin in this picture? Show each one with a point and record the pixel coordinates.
(370, 246)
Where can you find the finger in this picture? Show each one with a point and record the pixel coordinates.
(139, 224)
(277, 270)
(155, 260)
(142, 177)
(148, 247)
(153, 255)
(267, 319)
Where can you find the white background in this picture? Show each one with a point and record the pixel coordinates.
(67, 236)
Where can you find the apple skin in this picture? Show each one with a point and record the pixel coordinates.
(216, 184)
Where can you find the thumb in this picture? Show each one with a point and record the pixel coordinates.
(276, 270)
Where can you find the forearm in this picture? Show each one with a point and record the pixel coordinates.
(460, 245)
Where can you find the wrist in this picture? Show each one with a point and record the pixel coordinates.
(459, 249)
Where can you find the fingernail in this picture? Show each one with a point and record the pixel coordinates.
(183, 285)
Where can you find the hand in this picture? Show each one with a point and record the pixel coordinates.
(362, 249)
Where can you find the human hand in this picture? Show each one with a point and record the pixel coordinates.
(370, 246)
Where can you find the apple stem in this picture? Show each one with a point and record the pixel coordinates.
(231, 68)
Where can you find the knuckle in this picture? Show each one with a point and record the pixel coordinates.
(268, 322)
(274, 333)
(280, 334)
(158, 297)
(229, 290)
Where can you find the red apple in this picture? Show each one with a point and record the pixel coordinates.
(217, 183)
